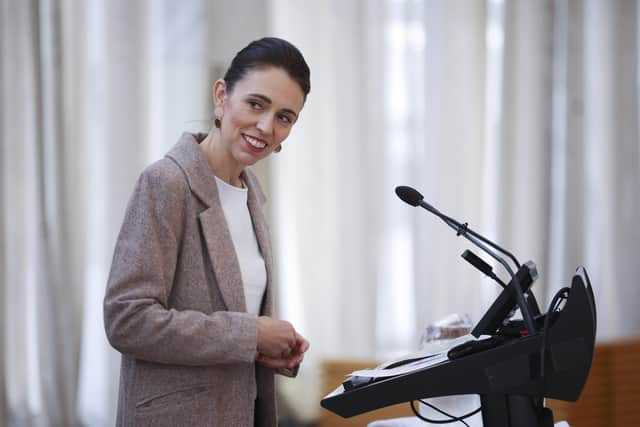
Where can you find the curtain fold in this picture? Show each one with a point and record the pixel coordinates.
(447, 159)
(41, 348)
(521, 211)
(324, 208)
(566, 160)
(3, 219)
(57, 331)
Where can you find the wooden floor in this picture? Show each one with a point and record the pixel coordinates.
(611, 397)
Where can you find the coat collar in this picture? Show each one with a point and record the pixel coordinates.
(189, 157)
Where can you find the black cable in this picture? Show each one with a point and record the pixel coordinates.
(553, 306)
(452, 419)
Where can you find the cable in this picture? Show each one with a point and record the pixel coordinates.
(428, 420)
(553, 306)
(453, 417)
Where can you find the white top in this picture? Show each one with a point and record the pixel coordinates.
(254, 273)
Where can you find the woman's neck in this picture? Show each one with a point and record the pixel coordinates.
(220, 160)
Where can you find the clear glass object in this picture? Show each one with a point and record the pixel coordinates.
(441, 333)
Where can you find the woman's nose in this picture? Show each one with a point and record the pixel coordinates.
(265, 124)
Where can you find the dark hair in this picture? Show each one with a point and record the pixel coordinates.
(270, 51)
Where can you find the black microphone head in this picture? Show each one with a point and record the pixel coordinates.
(409, 195)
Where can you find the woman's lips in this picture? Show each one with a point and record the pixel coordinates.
(255, 144)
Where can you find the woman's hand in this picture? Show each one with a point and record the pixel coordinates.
(294, 358)
(276, 338)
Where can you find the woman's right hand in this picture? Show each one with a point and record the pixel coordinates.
(276, 338)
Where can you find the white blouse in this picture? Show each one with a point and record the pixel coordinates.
(254, 273)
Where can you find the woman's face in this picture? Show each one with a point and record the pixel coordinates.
(258, 114)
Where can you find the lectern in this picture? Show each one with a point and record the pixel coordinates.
(521, 363)
(511, 377)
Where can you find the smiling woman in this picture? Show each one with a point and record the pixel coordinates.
(254, 116)
(189, 297)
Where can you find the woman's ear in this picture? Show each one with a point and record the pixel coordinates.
(219, 92)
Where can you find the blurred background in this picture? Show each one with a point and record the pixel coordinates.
(520, 117)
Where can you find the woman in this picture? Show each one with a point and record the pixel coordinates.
(189, 297)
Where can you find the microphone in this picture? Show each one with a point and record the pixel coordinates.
(512, 294)
(413, 197)
(409, 195)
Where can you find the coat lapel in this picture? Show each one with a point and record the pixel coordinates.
(223, 257)
(255, 201)
(186, 153)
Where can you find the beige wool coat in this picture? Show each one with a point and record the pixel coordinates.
(174, 305)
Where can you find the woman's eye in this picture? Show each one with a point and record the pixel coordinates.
(285, 119)
(255, 105)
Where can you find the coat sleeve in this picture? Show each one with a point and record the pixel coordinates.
(137, 318)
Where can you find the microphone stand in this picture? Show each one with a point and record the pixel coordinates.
(520, 280)
(475, 238)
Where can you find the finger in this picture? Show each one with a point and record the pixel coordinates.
(266, 360)
(293, 339)
(285, 353)
(302, 343)
(294, 360)
(297, 352)
(271, 362)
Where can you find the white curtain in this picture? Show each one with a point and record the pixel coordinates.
(39, 287)
(519, 117)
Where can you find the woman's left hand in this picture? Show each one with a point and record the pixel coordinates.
(295, 358)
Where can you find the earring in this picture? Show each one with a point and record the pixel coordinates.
(278, 148)
(217, 123)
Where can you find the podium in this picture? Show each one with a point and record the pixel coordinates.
(511, 378)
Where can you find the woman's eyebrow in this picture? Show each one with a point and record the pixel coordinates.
(268, 101)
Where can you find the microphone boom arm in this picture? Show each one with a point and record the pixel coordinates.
(473, 237)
